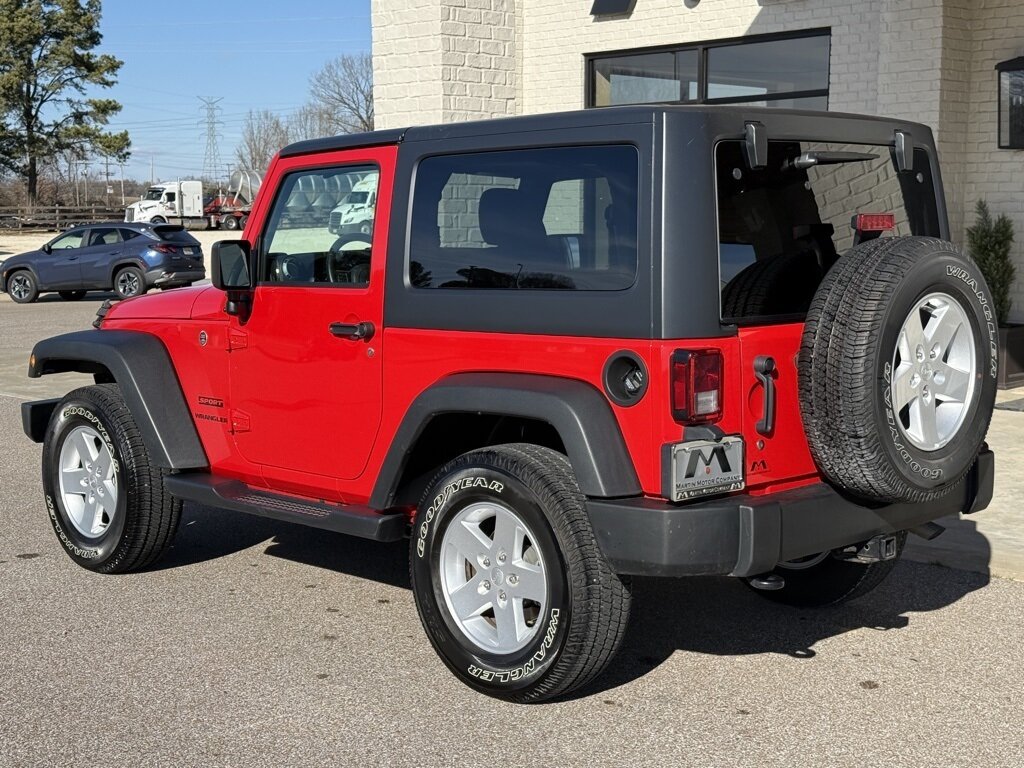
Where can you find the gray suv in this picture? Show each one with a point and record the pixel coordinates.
(127, 258)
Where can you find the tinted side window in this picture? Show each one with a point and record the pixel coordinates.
(129, 234)
(781, 228)
(531, 219)
(104, 236)
(320, 230)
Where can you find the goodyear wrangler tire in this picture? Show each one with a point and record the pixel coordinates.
(897, 368)
(509, 581)
(106, 502)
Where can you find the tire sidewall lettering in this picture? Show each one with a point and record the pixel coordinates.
(91, 552)
(445, 495)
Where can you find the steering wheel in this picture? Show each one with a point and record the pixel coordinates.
(349, 259)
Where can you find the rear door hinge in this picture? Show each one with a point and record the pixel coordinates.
(240, 422)
(237, 339)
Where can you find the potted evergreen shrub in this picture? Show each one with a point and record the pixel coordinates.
(989, 242)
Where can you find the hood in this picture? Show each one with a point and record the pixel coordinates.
(20, 259)
(177, 304)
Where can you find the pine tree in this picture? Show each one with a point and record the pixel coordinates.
(46, 67)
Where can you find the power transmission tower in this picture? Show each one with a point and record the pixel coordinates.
(211, 160)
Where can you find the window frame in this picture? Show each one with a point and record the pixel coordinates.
(262, 243)
(702, 48)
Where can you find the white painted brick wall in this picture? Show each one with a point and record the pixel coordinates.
(997, 175)
(438, 61)
(926, 60)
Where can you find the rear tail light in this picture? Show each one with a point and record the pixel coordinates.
(696, 386)
(874, 222)
(163, 248)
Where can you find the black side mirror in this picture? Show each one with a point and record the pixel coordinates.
(229, 265)
(229, 271)
(46, 248)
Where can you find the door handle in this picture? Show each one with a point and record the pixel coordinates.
(353, 331)
(764, 367)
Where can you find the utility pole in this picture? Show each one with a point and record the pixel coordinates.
(85, 180)
(121, 166)
(211, 159)
(106, 178)
(152, 173)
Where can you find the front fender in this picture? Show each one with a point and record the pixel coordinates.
(579, 412)
(143, 370)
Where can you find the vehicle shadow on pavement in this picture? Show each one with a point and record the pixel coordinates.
(722, 616)
(92, 296)
(709, 615)
(207, 533)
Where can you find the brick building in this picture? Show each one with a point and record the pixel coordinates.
(932, 61)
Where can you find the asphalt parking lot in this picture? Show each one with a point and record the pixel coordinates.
(260, 643)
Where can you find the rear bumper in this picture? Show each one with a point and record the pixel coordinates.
(747, 535)
(166, 277)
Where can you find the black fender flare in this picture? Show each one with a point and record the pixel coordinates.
(578, 411)
(142, 368)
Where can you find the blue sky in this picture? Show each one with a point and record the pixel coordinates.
(254, 54)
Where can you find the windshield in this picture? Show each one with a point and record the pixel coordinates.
(355, 198)
(154, 193)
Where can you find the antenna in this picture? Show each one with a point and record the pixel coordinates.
(211, 160)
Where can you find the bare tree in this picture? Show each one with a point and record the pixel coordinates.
(263, 134)
(343, 88)
(310, 122)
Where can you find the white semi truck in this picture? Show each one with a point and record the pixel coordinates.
(167, 201)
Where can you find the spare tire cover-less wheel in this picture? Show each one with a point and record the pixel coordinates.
(898, 369)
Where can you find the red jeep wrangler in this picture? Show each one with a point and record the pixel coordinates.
(572, 348)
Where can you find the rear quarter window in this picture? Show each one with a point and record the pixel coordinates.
(781, 228)
(529, 219)
(174, 234)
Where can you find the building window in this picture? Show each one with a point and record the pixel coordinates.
(1011, 103)
(790, 71)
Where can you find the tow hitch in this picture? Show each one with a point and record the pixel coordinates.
(874, 550)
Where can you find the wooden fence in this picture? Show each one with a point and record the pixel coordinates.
(55, 218)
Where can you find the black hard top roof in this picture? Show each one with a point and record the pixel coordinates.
(593, 117)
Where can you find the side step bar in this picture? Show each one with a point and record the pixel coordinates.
(239, 497)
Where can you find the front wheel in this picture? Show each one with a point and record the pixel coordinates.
(509, 581)
(106, 501)
(820, 580)
(22, 287)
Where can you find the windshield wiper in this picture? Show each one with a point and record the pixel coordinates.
(811, 159)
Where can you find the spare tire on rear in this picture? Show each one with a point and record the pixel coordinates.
(897, 368)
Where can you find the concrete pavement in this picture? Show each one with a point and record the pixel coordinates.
(259, 643)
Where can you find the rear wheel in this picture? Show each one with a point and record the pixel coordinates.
(72, 295)
(230, 222)
(823, 579)
(129, 282)
(509, 581)
(22, 287)
(106, 501)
